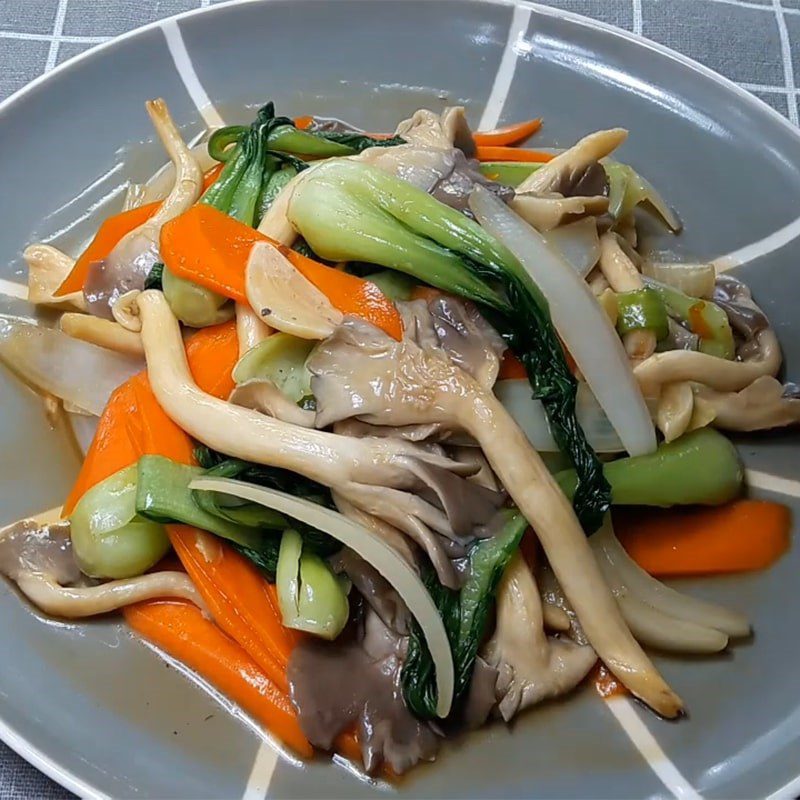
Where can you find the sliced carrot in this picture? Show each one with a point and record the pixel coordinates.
(605, 683)
(180, 629)
(741, 536)
(348, 293)
(210, 248)
(497, 153)
(304, 122)
(159, 434)
(211, 175)
(510, 134)
(133, 423)
(106, 238)
(511, 368)
(212, 354)
(115, 444)
(237, 597)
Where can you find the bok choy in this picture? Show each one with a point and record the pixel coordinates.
(350, 211)
(465, 614)
(110, 539)
(373, 549)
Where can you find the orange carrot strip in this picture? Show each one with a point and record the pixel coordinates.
(115, 444)
(210, 248)
(510, 134)
(211, 175)
(212, 354)
(511, 368)
(304, 122)
(180, 629)
(111, 231)
(741, 536)
(159, 434)
(348, 293)
(496, 153)
(106, 238)
(605, 683)
(236, 595)
(133, 423)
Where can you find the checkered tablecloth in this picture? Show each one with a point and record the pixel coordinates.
(754, 42)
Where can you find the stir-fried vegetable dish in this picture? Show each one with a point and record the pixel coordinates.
(386, 435)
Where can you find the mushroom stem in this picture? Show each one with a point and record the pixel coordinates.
(352, 466)
(525, 477)
(717, 373)
(188, 175)
(531, 666)
(250, 330)
(591, 148)
(102, 332)
(76, 602)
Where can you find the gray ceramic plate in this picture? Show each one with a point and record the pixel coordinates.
(103, 714)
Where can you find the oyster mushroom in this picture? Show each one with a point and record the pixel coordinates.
(361, 372)
(381, 476)
(38, 558)
(531, 666)
(762, 405)
(716, 373)
(567, 170)
(438, 157)
(572, 185)
(131, 260)
(48, 268)
(264, 396)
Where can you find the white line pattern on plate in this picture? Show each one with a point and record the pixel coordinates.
(772, 483)
(650, 749)
(261, 772)
(505, 72)
(13, 289)
(769, 244)
(183, 63)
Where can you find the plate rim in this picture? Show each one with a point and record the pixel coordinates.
(20, 744)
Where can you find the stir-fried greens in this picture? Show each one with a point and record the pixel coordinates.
(352, 406)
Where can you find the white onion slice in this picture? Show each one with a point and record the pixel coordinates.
(50, 361)
(578, 242)
(373, 550)
(515, 395)
(579, 319)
